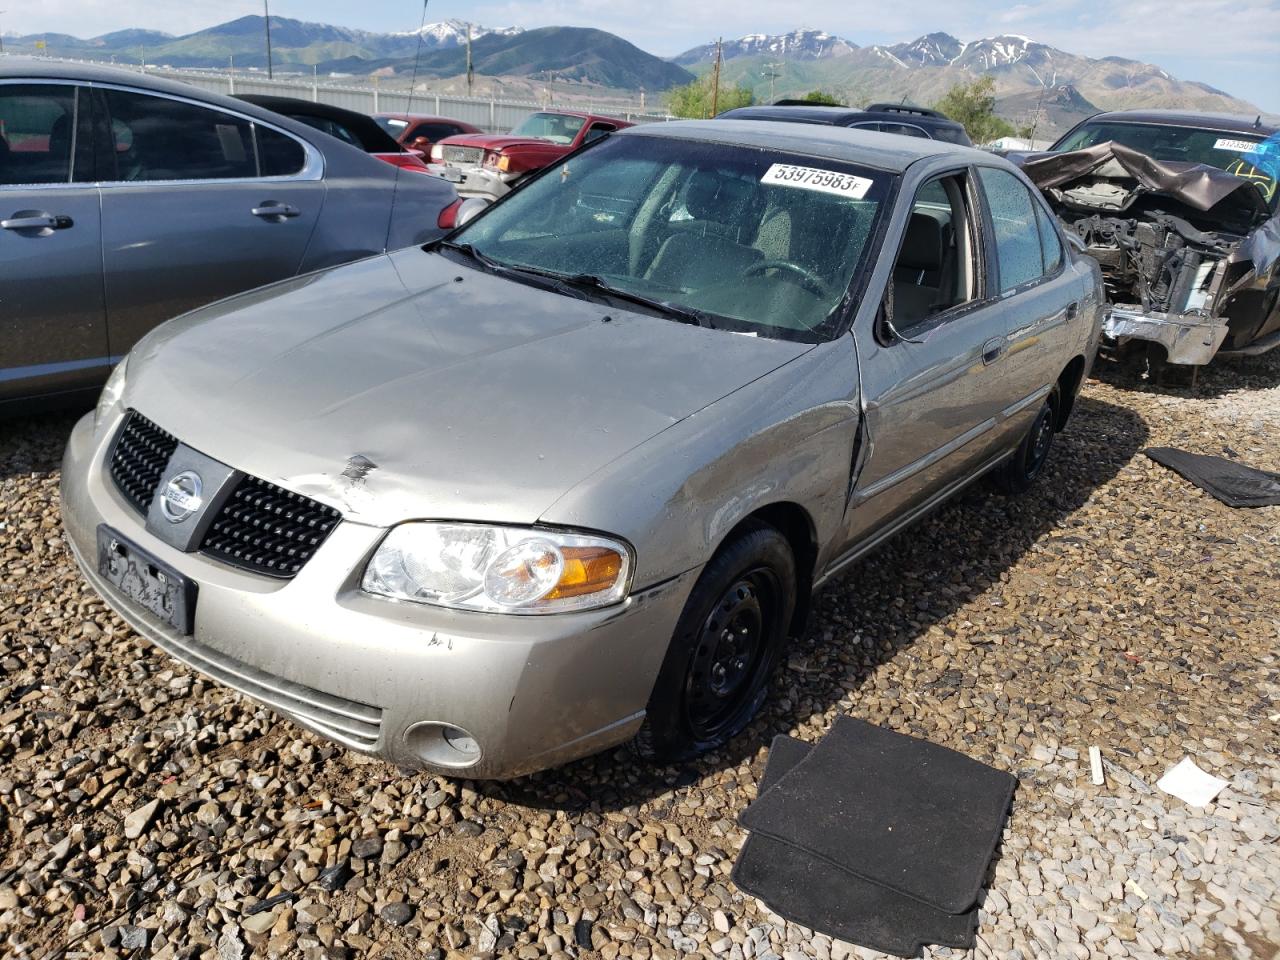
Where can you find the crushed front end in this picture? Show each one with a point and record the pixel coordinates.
(1188, 252)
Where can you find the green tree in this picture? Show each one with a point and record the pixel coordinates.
(694, 100)
(821, 98)
(974, 105)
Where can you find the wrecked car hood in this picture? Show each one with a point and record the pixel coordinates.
(409, 386)
(1198, 185)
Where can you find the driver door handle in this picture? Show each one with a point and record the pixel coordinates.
(992, 350)
(41, 221)
(271, 210)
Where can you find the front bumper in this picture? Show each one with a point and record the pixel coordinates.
(1190, 339)
(374, 674)
(475, 181)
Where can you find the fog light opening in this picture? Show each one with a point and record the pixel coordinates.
(442, 744)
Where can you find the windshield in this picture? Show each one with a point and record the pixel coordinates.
(1226, 151)
(758, 241)
(393, 125)
(555, 127)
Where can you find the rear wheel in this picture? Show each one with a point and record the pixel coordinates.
(1021, 470)
(727, 643)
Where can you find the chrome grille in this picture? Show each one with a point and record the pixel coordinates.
(463, 156)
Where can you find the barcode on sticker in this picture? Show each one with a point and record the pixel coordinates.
(813, 178)
(1239, 146)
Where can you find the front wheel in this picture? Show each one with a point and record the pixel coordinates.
(726, 645)
(1021, 470)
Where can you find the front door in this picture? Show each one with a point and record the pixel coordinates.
(197, 204)
(932, 368)
(52, 325)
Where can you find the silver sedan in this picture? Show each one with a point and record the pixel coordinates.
(127, 199)
(570, 477)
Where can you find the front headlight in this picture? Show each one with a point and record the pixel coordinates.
(471, 566)
(112, 390)
(437, 152)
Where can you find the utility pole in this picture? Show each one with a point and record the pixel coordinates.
(470, 72)
(773, 75)
(266, 17)
(715, 82)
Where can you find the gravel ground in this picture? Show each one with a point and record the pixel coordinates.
(149, 812)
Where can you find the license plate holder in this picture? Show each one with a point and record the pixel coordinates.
(150, 583)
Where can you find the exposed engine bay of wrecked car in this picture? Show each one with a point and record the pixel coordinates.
(1188, 251)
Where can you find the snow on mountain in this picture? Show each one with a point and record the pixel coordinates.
(453, 33)
(931, 50)
(796, 45)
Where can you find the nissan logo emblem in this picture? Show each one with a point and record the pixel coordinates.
(181, 497)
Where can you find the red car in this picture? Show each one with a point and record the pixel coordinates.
(417, 131)
(488, 165)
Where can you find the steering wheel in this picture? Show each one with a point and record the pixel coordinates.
(805, 278)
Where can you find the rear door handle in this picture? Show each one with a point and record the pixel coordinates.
(38, 221)
(270, 210)
(1072, 310)
(992, 349)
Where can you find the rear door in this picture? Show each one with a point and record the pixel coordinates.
(198, 203)
(1038, 296)
(52, 324)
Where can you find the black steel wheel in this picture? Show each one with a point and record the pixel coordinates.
(726, 646)
(1027, 463)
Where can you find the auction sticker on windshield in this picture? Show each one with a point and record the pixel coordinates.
(1239, 146)
(812, 178)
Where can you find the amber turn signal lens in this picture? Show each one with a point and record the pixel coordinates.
(504, 164)
(587, 570)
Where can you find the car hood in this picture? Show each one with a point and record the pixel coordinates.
(409, 386)
(496, 141)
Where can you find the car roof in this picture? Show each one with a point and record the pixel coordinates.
(886, 151)
(39, 68)
(419, 118)
(1226, 122)
(841, 116)
(372, 137)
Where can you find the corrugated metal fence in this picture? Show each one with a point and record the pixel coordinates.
(494, 116)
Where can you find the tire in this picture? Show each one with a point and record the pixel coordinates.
(1021, 470)
(726, 646)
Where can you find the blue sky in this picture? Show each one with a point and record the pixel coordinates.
(1231, 44)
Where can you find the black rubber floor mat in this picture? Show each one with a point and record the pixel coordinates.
(817, 895)
(908, 814)
(1233, 483)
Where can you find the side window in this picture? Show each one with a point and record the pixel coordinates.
(161, 139)
(597, 131)
(278, 155)
(1017, 232)
(37, 125)
(936, 269)
(1049, 241)
(905, 129)
(435, 131)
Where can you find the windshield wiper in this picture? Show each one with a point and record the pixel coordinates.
(578, 282)
(589, 281)
(522, 273)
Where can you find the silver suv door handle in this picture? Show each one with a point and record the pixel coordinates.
(41, 221)
(270, 210)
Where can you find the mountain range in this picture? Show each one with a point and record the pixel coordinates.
(1036, 84)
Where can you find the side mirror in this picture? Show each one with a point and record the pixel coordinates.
(471, 208)
(421, 143)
